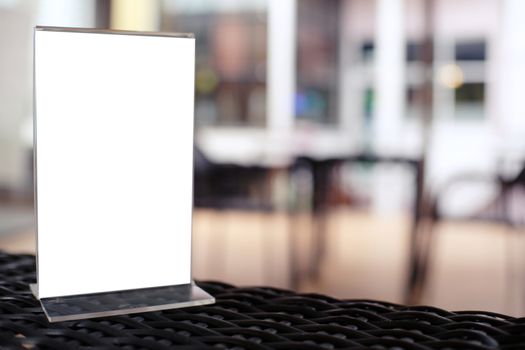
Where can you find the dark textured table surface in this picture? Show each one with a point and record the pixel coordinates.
(251, 318)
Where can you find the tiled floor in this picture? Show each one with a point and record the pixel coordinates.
(476, 266)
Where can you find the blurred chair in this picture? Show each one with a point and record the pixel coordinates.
(499, 210)
(228, 186)
(231, 186)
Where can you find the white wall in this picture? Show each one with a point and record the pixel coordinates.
(463, 146)
(17, 19)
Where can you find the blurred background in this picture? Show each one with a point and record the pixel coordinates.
(357, 148)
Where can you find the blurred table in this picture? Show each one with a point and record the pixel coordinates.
(251, 318)
(228, 185)
(322, 174)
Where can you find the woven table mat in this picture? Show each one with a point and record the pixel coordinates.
(250, 318)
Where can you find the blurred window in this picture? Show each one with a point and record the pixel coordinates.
(368, 105)
(367, 50)
(469, 99)
(231, 58)
(317, 60)
(413, 51)
(470, 51)
(469, 94)
(413, 97)
(414, 86)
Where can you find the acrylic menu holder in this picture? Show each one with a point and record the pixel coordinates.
(113, 146)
